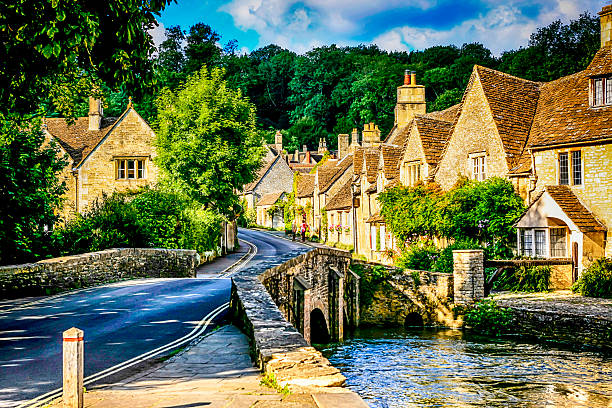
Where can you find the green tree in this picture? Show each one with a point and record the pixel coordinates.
(171, 58)
(207, 141)
(202, 48)
(29, 192)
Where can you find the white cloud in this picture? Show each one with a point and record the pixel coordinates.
(302, 24)
(159, 34)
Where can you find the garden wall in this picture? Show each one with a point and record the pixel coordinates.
(77, 271)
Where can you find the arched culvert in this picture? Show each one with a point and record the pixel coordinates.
(319, 334)
(413, 320)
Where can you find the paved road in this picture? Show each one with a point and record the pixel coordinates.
(120, 321)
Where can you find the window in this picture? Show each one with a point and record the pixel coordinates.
(382, 238)
(526, 242)
(558, 242)
(540, 243)
(413, 173)
(130, 169)
(577, 167)
(602, 91)
(478, 168)
(563, 169)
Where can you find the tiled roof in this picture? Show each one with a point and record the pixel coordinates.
(449, 114)
(343, 198)
(358, 160)
(434, 134)
(564, 115)
(328, 175)
(513, 102)
(375, 219)
(260, 174)
(602, 62)
(391, 156)
(398, 136)
(271, 198)
(373, 189)
(76, 138)
(571, 205)
(305, 185)
(371, 157)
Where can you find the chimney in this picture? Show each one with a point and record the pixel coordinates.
(95, 114)
(354, 139)
(278, 141)
(407, 77)
(410, 100)
(343, 145)
(304, 148)
(605, 19)
(296, 156)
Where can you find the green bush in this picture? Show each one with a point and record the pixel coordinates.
(488, 318)
(149, 218)
(444, 263)
(421, 255)
(524, 279)
(596, 280)
(371, 276)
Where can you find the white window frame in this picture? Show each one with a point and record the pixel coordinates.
(122, 168)
(478, 165)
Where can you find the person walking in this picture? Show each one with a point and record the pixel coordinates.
(303, 229)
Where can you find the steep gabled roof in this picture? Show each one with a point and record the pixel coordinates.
(260, 174)
(434, 135)
(602, 62)
(390, 157)
(513, 102)
(358, 160)
(449, 114)
(271, 198)
(343, 199)
(305, 185)
(76, 138)
(328, 175)
(371, 157)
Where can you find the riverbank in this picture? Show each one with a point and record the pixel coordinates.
(560, 316)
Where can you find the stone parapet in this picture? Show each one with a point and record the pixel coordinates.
(94, 268)
(468, 276)
(277, 346)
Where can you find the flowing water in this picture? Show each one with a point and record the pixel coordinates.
(447, 368)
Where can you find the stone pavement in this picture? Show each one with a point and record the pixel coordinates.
(216, 372)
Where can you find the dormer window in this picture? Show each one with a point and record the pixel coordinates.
(602, 91)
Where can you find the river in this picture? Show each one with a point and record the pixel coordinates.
(448, 368)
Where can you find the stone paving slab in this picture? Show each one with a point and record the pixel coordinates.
(217, 372)
(563, 301)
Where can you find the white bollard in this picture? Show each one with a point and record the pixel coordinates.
(73, 368)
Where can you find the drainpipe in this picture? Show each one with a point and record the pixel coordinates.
(533, 179)
(75, 174)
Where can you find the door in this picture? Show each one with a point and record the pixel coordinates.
(575, 261)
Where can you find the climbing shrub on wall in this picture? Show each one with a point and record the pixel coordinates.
(596, 280)
(524, 279)
(371, 276)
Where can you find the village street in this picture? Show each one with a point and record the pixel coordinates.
(121, 321)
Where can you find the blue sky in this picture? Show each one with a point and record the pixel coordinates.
(392, 24)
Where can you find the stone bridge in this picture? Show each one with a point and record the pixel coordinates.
(317, 293)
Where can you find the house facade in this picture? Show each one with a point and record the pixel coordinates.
(105, 154)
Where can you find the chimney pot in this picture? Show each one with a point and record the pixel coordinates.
(413, 77)
(406, 77)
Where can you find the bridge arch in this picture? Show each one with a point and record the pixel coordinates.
(319, 332)
(413, 319)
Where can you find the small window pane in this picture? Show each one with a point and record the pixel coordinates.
(131, 170)
(576, 168)
(563, 169)
(557, 243)
(609, 91)
(540, 243)
(120, 169)
(141, 169)
(598, 92)
(526, 242)
(482, 168)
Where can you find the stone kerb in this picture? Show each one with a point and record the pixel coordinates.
(94, 268)
(277, 346)
(468, 276)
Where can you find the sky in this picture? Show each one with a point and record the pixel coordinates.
(300, 25)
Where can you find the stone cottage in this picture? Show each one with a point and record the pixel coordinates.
(275, 176)
(105, 154)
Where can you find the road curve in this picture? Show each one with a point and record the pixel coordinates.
(121, 321)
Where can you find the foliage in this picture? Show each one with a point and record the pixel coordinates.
(485, 211)
(248, 216)
(420, 255)
(444, 262)
(29, 191)
(488, 318)
(207, 142)
(148, 218)
(596, 280)
(269, 380)
(49, 43)
(524, 279)
(371, 276)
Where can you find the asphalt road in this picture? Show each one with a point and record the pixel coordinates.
(120, 321)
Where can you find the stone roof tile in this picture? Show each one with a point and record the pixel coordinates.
(343, 199)
(571, 205)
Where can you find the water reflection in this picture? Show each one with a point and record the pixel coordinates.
(446, 368)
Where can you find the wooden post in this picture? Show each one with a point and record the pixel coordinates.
(73, 368)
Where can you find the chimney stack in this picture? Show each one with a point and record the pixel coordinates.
(278, 141)
(95, 114)
(410, 100)
(605, 20)
(343, 145)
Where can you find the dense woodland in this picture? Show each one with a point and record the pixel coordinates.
(331, 89)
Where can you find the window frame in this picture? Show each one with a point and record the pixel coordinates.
(478, 166)
(123, 170)
(552, 247)
(606, 91)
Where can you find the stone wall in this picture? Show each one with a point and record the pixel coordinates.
(468, 275)
(404, 292)
(94, 268)
(277, 346)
